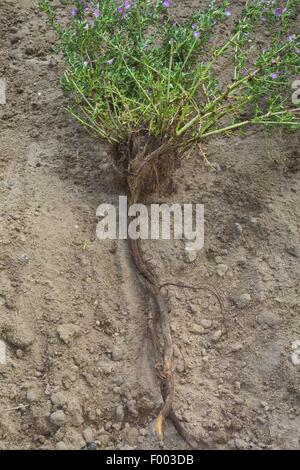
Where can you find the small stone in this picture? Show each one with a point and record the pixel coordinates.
(117, 353)
(242, 261)
(238, 228)
(19, 353)
(120, 415)
(88, 435)
(191, 256)
(177, 352)
(295, 356)
(58, 418)
(222, 269)
(242, 300)
(21, 337)
(61, 446)
(218, 260)
(206, 323)
(267, 318)
(108, 426)
(113, 247)
(41, 439)
(253, 221)
(58, 399)
(67, 332)
(235, 347)
(197, 329)
(217, 335)
(24, 258)
(2, 353)
(240, 444)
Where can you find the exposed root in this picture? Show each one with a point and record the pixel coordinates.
(145, 161)
(163, 359)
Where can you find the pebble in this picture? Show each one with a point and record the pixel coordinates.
(240, 444)
(2, 353)
(117, 353)
(222, 269)
(67, 332)
(58, 418)
(108, 426)
(197, 329)
(242, 300)
(21, 337)
(238, 228)
(24, 258)
(19, 353)
(235, 347)
(217, 335)
(61, 446)
(88, 435)
(176, 351)
(191, 256)
(295, 356)
(206, 323)
(267, 319)
(253, 221)
(120, 415)
(58, 399)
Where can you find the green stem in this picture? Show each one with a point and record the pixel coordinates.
(226, 129)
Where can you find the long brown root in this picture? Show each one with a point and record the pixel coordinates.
(144, 162)
(163, 359)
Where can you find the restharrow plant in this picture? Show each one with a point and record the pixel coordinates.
(154, 87)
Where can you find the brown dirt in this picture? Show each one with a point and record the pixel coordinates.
(236, 386)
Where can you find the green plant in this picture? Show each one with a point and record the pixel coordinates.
(154, 87)
(133, 68)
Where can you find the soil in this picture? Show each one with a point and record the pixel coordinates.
(79, 366)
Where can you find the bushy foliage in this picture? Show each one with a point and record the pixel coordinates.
(132, 67)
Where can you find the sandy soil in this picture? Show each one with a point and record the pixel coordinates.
(72, 314)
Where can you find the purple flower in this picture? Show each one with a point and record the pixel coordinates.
(167, 3)
(297, 51)
(86, 9)
(196, 34)
(97, 13)
(194, 26)
(279, 11)
(74, 11)
(227, 13)
(120, 10)
(127, 4)
(110, 61)
(274, 75)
